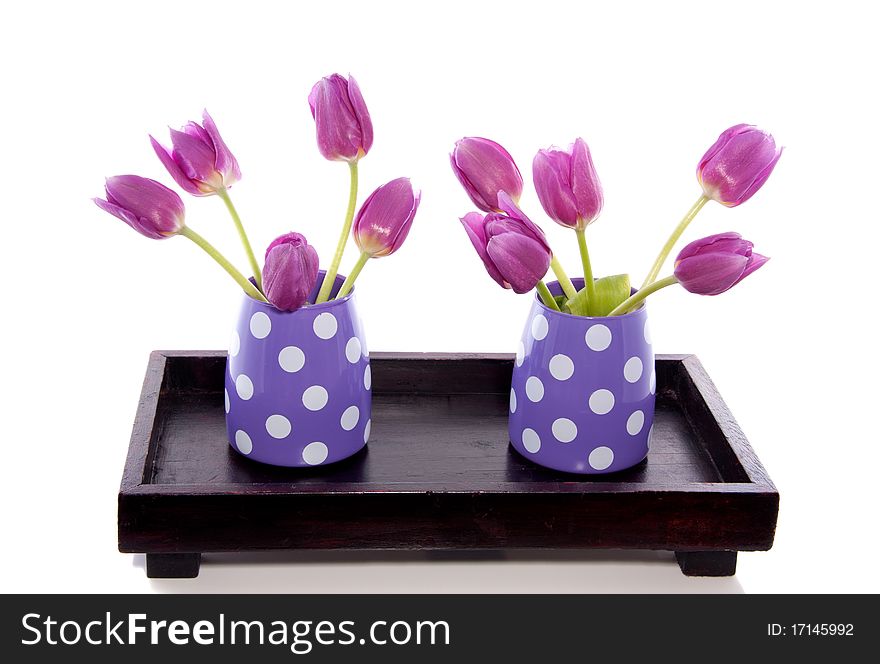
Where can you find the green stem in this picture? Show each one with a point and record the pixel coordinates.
(567, 287)
(588, 269)
(546, 295)
(248, 287)
(640, 295)
(255, 267)
(670, 243)
(330, 277)
(349, 280)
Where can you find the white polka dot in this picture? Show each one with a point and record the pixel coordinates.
(561, 367)
(315, 453)
(653, 381)
(226, 400)
(598, 337)
(601, 458)
(325, 325)
(534, 389)
(353, 350)
(278, 426)
(260, 325)
(632, 370)
(244, 387)
(647, 333)
(520, 354)
(234, 344)
(650, 436)
(243, 442)
(368, 377)
(539, 327)
(350, 417)
(530, 440)
(601, 402)
(367, 430)
(512, 401)
(291, 359)
(564, 430)
(635, 422)
(315, 397)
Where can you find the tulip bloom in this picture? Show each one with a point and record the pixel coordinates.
(342, 121)
(709, 266)
(567, 185)
(202, 165)
(736, 166)
(199, 160)
(384, 220)
(150, 208)
(730, 172)
(571, 195)
(382, 224)
(484, 169)
(290, 271)
(513, 249)
(715, 264)
(155, 211)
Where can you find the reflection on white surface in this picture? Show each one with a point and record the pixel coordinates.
(510, 571)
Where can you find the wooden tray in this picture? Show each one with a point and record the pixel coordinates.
(438, 473)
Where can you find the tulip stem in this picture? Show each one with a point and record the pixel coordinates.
(248, 287)
(330, 277)
(567, 287)
(546, 295)
(588, 269)
(670, 243)
(640, 295)
(349, 280)
(258, 273)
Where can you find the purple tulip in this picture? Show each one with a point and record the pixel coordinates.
(484, 168)
(151, 208)
(511, 246)
(199, 160)
(384, 220)
(290, 271)
(717, 263)
(342, 121)
(736, 166)
(567, 185)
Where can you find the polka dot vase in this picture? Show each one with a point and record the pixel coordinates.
(298, 383)
(582, 396)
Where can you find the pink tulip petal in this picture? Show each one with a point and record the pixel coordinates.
(521, 261)
(174, 170)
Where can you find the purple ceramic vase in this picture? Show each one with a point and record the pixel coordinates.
(298, 383)
(582, 395)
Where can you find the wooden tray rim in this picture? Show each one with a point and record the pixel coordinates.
(139, 447)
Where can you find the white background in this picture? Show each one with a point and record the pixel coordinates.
(648, 85)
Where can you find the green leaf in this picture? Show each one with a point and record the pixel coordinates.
(562, 303)
(610, 291)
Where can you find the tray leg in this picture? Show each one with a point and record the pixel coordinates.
(173, 565)
(707, 563)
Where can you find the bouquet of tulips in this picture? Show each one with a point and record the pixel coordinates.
(515, 250)
(202, 165)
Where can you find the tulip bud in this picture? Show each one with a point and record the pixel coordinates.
(714, 264)
(513, 249)
(484, 168)
(151, 208)
(199, 160)
(342, 121)
(384, 220)
(736, 166)
(567, 185)
(290, 271)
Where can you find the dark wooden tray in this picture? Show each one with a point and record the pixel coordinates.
(438, 473)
